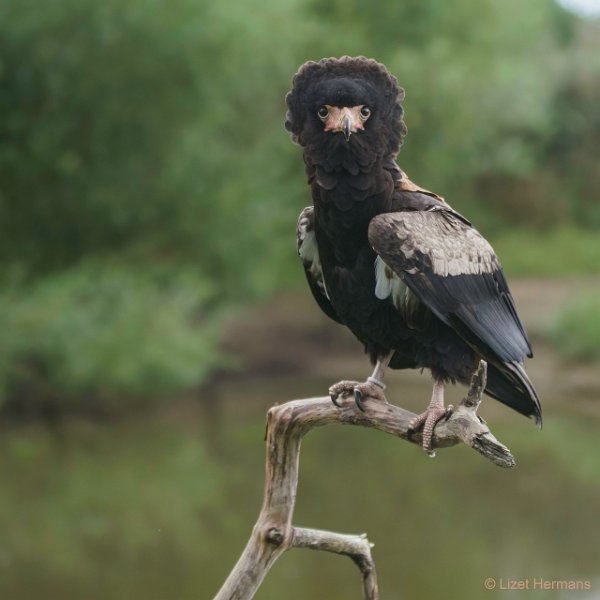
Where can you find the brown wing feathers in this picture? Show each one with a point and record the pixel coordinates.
(456, 273)
(436, 294)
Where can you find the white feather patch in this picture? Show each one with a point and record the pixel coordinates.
(387, 283)
(309, 254)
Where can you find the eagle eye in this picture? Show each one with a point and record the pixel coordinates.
(365, 113)
(323, 113)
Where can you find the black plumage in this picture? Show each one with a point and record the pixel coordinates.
(410, 277)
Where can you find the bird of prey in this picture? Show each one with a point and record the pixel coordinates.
(412, 279)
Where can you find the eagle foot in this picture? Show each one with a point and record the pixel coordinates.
(357, 389)
(428, 420)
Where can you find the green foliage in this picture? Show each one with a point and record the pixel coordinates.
(152, 124)
(151, 132)
(576, 332)
(560, 252)
(94, 334)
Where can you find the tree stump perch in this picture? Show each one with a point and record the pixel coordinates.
(287, 424)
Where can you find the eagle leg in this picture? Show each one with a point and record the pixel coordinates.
(428, 420)
(373, 387)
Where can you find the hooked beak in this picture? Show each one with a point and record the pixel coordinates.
(346, 126)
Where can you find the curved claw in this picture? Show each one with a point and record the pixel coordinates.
(449, 412)
(334, 400)
(358, 400)
(413, 426)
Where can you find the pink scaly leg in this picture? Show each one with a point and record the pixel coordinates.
(435, 412)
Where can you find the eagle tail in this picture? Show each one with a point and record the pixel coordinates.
(510, 384)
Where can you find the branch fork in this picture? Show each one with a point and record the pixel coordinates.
(287, 424)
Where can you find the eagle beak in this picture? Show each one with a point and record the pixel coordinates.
(346, 126)
(346, 120)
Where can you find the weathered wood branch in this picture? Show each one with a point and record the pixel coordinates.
(287, 424)
(357, 547)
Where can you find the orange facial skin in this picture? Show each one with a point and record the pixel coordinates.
(346, 119)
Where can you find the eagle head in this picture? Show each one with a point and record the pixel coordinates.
(345, 105)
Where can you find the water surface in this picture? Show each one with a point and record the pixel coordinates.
(160, 508)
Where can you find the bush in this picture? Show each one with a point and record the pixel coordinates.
(103, 337)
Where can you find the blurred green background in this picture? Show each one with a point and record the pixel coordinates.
(152, 305)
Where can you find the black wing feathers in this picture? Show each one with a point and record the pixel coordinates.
(309, 255)
(455, 272)
(510, 384)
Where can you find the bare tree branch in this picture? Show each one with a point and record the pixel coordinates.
(357, 547)
(287, 424)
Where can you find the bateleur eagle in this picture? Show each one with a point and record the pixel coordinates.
(408, 275)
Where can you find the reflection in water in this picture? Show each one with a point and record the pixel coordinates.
(161, 509)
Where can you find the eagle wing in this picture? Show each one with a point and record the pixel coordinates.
(454, 271)
(309, 255)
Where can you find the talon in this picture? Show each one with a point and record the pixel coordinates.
(449, 412)
(334, 400)
(358, 400)
(417, 423)
(360, 391)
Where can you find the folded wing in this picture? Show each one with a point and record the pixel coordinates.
(454, 271)
(309, 255)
